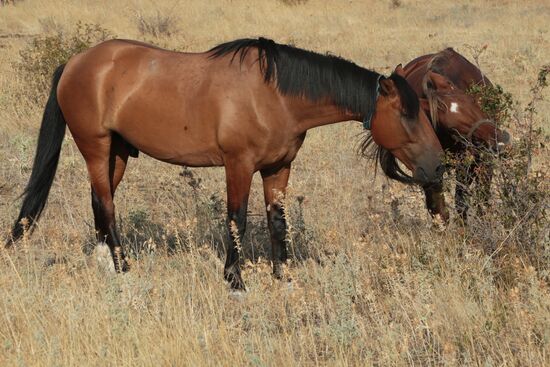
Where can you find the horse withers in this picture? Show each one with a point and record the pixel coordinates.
(245, 105)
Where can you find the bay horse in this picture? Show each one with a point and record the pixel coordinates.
(245, 105)
(441, 81)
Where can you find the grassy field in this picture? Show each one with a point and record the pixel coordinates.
(373, 282)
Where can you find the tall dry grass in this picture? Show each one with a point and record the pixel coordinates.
(373, 283)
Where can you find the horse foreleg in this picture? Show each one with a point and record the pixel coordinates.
(435, 202)
(239, 178)
(275, 182)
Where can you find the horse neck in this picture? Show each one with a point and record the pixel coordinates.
(310, 114)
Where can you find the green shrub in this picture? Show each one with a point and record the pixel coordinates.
(516, 222)
(43, 54)
(494, 101)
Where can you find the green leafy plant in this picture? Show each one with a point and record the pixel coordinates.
(43, 54)
(494, 101)
(521, 191)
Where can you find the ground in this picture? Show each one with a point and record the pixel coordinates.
(373, 282)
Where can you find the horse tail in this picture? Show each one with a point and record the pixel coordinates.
(50, 138)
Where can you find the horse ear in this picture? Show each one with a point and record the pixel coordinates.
(387, 87)
(437, 82)
(399, 70)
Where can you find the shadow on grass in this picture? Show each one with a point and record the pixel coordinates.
(204, 225)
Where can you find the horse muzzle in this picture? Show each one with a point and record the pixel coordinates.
(487, 131)
(428, 175)
(503, 138)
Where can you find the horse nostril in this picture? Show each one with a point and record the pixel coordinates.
(420, 175)
(430, 176)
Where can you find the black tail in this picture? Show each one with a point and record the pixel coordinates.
(48, 149)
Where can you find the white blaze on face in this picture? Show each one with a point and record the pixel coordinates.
(454, 107)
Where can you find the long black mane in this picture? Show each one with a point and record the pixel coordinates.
(388, 162)
(299, 72)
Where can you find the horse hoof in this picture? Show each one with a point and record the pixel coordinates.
(9, 244)
(235, 281)
(120, 260)
(237, 294)
(125, 266)
(278, 272)
(439, 223)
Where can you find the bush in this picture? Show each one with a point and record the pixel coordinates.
(43, 54)
(8, 2)
(516, 225)
(494, 101)
(157, 25)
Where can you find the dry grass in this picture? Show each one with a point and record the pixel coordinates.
(371, 286)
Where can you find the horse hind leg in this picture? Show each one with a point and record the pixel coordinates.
(106, 165)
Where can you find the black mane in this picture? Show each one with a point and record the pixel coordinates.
(299, 72)
(388, 163)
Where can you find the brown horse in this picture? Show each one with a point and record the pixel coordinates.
(442, 80)
(245, 105)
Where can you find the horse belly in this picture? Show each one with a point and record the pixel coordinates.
(167, 131)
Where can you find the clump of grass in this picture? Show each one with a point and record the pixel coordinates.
(156, 25)
(9, 2)
(39, 58)
(293, 2)
(50, 25)
(394, 4)
(302, 239)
